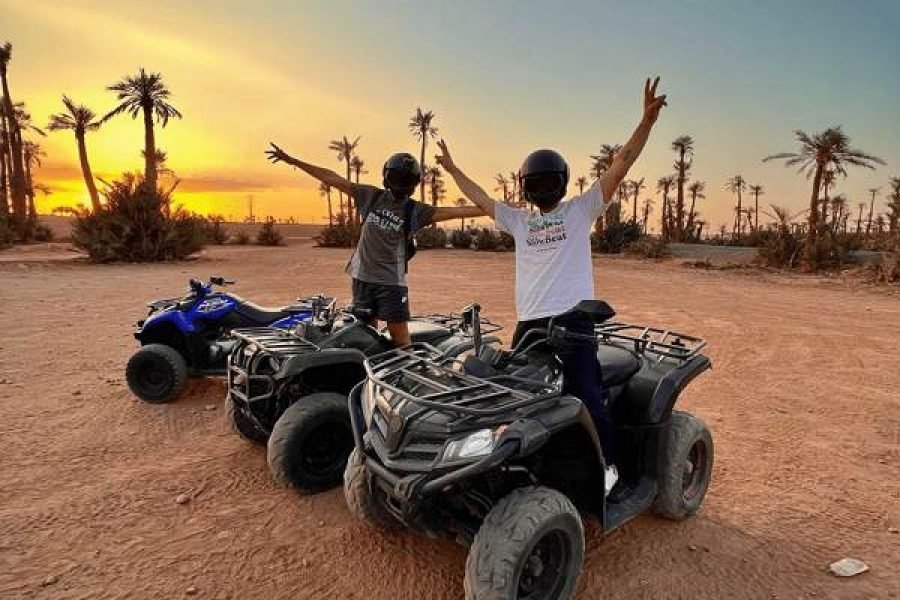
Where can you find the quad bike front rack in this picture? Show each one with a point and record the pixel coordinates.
(258, 355)
(422, 375)
(651, 342)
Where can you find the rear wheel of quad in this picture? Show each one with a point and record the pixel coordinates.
(531, 545)
(685, 468)
(242, 425)
(360, 499)
(156, 373)
(310, 443)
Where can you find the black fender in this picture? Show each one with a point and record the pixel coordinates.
(168, 334)
(333, 369)
(671, 385)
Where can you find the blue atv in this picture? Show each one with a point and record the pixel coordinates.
(190, 335)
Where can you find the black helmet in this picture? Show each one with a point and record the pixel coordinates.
(401, 174)
(543, 178)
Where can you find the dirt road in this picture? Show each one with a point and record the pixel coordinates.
(803, 401)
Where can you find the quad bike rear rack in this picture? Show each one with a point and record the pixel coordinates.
(649, 341)
(438, 383)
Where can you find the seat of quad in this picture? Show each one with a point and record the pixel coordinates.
(261, 315)
(429, 333)
(617, 364)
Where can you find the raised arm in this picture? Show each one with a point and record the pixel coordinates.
(629, 153)
(448, 213)
(324, 175)
(469, 188)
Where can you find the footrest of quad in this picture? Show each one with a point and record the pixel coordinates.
(619, 513)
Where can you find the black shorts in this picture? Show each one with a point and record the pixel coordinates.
(389, 302)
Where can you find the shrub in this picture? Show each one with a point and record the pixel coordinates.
(42, 233)
(6, 233)
(241, 238)
(486, 239)
(269, 235)
(615, 237)
(430, 238)
(134, 227)
(215, 232)
(648, 247)
(506, 241)
(889, 269)
(461, 239)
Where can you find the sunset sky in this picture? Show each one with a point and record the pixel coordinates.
(503, 77)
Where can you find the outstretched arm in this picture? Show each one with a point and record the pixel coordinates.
(469, 188)
(324, 175)
(629, 153)
(448, 213)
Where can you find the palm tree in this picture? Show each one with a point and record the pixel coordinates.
(838, 213)
(421, 128)
(147, 95)
(696, 189)
(79, 119)
(462, 221)
(636, 187)
(894, 205)
(345, 149)
(502, 186)
(819, 152)
(325, 191)
(684, 146)
(436, 184)
(872, 191)
(648, 208)
(33, 154)
(757, 191)
(601, 162)
(736, 185)
(862, 206)
(827, 183)
(664, 185)
(15, 157)
(581, 182)
(358, 166)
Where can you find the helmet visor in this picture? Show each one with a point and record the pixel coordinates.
(395, 178)
(543, 183)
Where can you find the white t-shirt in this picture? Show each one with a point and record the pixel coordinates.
(553, 253)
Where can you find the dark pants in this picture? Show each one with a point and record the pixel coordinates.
(581, 374)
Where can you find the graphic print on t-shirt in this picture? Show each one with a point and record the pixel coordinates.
(545, 232)
(385, 220)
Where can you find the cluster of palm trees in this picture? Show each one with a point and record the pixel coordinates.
(142, 95)
(822, 157)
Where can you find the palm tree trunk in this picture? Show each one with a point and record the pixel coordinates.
(149, 150)
(330, 214)
(665, 217)
(4, 207)
(756, 211)
(679, 204)
(87, 174)
(16, 160)
(424, 132)
(812, 222)
(349, 196)
(634, 208)
(871, 214)
(690, 221)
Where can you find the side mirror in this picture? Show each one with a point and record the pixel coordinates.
(471, 324)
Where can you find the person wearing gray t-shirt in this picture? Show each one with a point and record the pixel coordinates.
(390, 217)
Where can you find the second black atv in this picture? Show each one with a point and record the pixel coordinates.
(506, 463)
(289, 389)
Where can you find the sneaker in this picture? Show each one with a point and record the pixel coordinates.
(612, 477)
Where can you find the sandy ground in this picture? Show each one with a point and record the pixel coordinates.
(803, 403)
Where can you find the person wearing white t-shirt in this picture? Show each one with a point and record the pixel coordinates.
(553, 254)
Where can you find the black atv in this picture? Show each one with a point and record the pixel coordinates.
(289, 389)
(506, 463)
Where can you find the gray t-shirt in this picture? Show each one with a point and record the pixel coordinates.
(380, 256)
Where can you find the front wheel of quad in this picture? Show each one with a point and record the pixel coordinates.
(242, 424)
(685, 467)
(531, 545)
(310, 443)
(156, 373)
(360, 499)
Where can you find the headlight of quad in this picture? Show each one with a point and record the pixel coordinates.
(475, 445)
